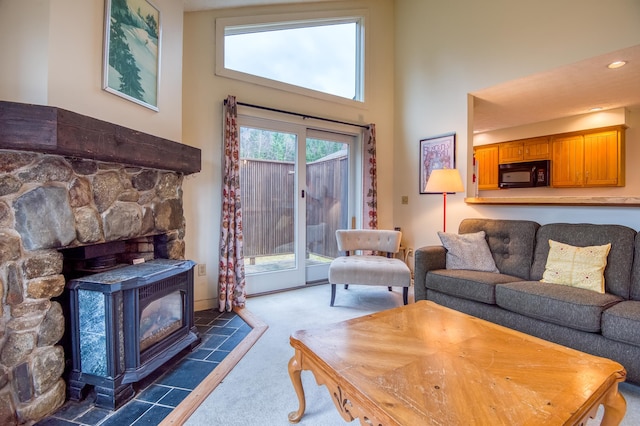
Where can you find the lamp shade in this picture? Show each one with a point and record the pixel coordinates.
(444, 180)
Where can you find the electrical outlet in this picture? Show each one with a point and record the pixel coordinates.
(405, 199)
(202, 269)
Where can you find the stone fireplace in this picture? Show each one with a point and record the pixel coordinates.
(69, 181)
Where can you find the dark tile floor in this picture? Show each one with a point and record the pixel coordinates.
(161, 392)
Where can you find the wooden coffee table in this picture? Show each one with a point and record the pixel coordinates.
(427, 364)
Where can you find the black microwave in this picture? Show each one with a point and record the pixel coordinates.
(524, 175)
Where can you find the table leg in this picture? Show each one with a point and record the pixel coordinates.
(615, 407)
(294, 373)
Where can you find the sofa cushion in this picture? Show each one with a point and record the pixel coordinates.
(621, 322)
(635, 277)
(559, 304)
(617, 274)
(468, 251)
(581, 267)
(511, 242)
(472, 285)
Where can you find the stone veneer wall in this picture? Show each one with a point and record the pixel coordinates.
(48, 202)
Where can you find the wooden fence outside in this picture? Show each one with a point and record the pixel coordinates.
(268, 206)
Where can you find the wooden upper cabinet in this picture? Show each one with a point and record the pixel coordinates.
(588, 159)
(510, 152)
(536, 149)
(487, 166)
(524, 150)
(603, 159)
(567, 160)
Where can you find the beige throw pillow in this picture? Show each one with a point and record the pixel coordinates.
(581, 267)
(468, 251)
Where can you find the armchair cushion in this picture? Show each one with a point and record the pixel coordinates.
(369, 270)
(380, 240)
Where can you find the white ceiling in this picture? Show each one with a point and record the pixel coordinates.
(562, 92)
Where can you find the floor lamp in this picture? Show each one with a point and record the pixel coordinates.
(444, 180)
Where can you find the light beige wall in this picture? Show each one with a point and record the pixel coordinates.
(204, 93)
(51, 54)
(445, 50)
(24, 29)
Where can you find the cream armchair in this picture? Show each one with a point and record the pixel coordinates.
(358, 267)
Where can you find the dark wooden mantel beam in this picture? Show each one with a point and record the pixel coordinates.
(53, 130)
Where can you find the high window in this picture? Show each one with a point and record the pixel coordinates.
(321, 56)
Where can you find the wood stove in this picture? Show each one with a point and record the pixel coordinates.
(127, 322)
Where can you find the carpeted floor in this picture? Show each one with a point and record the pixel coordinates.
(258, 390)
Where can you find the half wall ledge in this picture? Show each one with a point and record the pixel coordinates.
(558, 201)
(52, 130)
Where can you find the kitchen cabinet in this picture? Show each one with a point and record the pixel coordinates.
(536, 149)
(603, 156)
(588, 159)
(567, 160)
(524, 150)
(510, 152)
(486, 158)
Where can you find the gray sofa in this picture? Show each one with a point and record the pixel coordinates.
(606, 325)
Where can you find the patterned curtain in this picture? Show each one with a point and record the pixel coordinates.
(231, 282)
(370, 180)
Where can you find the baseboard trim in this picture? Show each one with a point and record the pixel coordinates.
(191, 403)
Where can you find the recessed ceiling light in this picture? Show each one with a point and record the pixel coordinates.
(616, 64)
(594, 109)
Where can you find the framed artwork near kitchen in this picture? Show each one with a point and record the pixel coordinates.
(438, 152)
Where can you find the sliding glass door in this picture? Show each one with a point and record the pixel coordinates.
(327, 200)
(269, 182)
(295, 193)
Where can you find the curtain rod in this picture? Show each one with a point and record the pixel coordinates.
(364, 126)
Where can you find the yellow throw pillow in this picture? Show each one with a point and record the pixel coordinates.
(581, 267)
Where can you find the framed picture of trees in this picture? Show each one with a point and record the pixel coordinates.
(132, 51)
